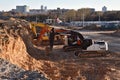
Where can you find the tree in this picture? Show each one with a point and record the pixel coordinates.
(84, 13)
(70, 15)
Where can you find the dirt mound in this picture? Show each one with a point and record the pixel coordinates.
(91, 27)
(16, 47)
(114, 34)
(10, 71)
(117, 33)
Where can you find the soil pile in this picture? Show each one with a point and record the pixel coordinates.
(114, 34)
(16, 47)
(117, 33)
(10, 71)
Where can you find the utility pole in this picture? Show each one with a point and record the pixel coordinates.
(36, 19)
(99, 17)
(83, 19)
(99, 20)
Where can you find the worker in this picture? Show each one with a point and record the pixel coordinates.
(51, 38)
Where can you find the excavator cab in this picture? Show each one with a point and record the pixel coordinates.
(75, 40)
(40, 32)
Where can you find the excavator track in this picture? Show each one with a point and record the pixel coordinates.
(84, 53)
(71, 48)
(87, 54)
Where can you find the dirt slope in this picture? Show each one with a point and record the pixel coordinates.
(117, 33)
(16, 46)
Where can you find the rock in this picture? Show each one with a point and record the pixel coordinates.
(9, 71)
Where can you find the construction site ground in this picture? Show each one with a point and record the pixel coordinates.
(60, 65)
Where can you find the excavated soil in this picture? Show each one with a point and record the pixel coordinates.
(10, 71)
(117, 33)
(114, 34)
(16, 47)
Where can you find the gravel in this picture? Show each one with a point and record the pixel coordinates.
(10, 71)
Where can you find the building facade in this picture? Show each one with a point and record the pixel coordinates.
(104, 9)
(42, 10)
(22, 9)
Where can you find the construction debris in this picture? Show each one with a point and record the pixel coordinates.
(10, 71)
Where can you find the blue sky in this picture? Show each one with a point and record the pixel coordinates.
(67, 4)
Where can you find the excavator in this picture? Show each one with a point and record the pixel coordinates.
(41, 33)
(84, 47)
(40, 30)
(72, 41)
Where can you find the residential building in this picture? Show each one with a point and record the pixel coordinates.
(37, 11)
(43, 10)
(104, 9)
(22, 9)
(42, 7)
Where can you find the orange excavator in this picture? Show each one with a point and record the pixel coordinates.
(41, 33)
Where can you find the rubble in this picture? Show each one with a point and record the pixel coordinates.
(10, 71)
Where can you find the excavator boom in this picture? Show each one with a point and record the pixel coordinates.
(39, 29)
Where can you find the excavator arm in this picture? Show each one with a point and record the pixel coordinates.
(39, 30)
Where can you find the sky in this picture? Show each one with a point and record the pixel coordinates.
(7, 5)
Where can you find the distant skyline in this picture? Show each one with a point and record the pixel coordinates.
(7, 5)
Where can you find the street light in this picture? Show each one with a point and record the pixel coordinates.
(83, 19)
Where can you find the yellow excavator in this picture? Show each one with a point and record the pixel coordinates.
(40, 31)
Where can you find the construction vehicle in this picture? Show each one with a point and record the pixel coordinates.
(41, 33)
(40, 30)
(98, 48)
(72, 40)
(84, 47)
